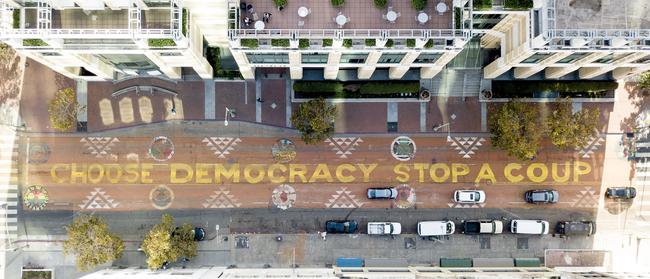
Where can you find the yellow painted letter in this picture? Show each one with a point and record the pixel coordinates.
(345, 178)
(485, 173)
(173, 171)
(367, 170)
(402, 175)
(458, 170)
(507, 172)
(580, 168)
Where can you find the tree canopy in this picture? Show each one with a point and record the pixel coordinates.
(63, 109)
(165, 243)
(569, 130)
(90, 241)
(315, 120)
(515, 128)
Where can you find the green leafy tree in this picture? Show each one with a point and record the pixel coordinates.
(569, 130)
(515, 128)
(63, 109)
(315, 120)
(337, 3)
(644, 80)
(280, 3)
(380, 3)
(164, 243)
(90, 241)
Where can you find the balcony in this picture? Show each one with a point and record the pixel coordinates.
(159, 18)
(362, 14)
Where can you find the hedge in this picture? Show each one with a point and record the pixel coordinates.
(347, 43)
(457, 18)
(16, 19)
(185, 16)
(161, 42)
(280, 42)
(429, 44)
(371, 42)
(250, 43)
(34, 42)
(389, 43)
(482, 5)
(419, 5)
(303, 43)
(389, 88)
(318, 86)
(213, 55)
(527, 89)
(327, 42)
(337, 89)
(410, 42)
(518, 4)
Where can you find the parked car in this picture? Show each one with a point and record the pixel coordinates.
(384, 228)
(542, 196)
(569, 228)
(623, 193)
(343, 226)
(469, 196)
(529, 226)
(431, 228)
(482, 227)
(382, 193)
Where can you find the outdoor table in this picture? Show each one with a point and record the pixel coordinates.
(303, 11)
(341, 20)
(441, 7)
(391, 16)
(423, 17)
(259, 25)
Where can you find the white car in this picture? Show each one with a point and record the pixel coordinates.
(469, 196)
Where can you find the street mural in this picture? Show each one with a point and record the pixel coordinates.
(217, 173)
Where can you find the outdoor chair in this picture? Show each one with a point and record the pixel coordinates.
(255, 17)
(301, 23)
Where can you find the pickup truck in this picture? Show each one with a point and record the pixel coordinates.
(482, 227)
(384, 228)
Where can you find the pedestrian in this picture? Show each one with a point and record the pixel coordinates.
(260, 100)
(247, 21)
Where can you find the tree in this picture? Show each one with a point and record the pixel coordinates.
(644, 80)
(315, 120)
(91, 242)
(63, 109)
(516, 130)
(166, 244)
(569, 130)
(280, 3)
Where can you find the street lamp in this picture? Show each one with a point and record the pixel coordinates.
(229, 113)
(438, 127)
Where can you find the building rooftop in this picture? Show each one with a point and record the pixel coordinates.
(157, 18)
(362, 14)
(602, 14)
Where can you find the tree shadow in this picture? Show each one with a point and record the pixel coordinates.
(637, 96)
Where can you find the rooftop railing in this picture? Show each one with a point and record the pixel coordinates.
(347, 33)
(87, 33)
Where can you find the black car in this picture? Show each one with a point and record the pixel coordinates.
(542, 196)
(623, 193)
(346, 226)
(570, 228)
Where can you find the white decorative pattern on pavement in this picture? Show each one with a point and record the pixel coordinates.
(460, 205)
(466, 145)
(99, 146)
(593, 145)
(98, 199)
(586, 198)
(343, 146)
(221, 199)
(344, 199)
(221, 146)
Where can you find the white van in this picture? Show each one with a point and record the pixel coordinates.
(429, 228)
(529, 226)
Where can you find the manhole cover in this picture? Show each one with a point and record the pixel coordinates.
(522, 243)
(284, 151)
(403, 148)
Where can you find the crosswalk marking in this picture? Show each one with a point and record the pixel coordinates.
(9, 155)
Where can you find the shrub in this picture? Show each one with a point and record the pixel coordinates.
(338, 3)
(34, 42)
(327, 42)
(280, 3)
(185, 17)
(429, 44)
(318, 87)
(280, 42)
(389, 43)
(410, 42)
(16, 19)
(511, 89)
(347, 43)
(518, 4)
(644, 80)
(482, 4)
(457, 18)
(419, 5)
(250, 43)
(371, 42)
(381, 3)
(389, 87)
(161, 42)
(303, 43)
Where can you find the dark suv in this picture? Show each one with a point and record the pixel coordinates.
(623, 193)
(344, 226)
(542, 196)
(570, 228)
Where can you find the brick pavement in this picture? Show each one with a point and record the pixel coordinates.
(232, 95)
(273, 92)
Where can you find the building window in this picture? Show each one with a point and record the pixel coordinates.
(51, 54)
(427, 58)
(391, 57)
(573, 57)
(537, 57)
(354, 58)
(171, 54)
(606, 59)
(314, 58)
(268, 58)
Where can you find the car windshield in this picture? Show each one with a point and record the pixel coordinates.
(539, 196)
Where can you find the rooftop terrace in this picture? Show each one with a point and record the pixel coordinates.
(156, 18)
(362, 14)
(602, 14)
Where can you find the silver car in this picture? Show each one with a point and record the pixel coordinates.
(382, 193)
